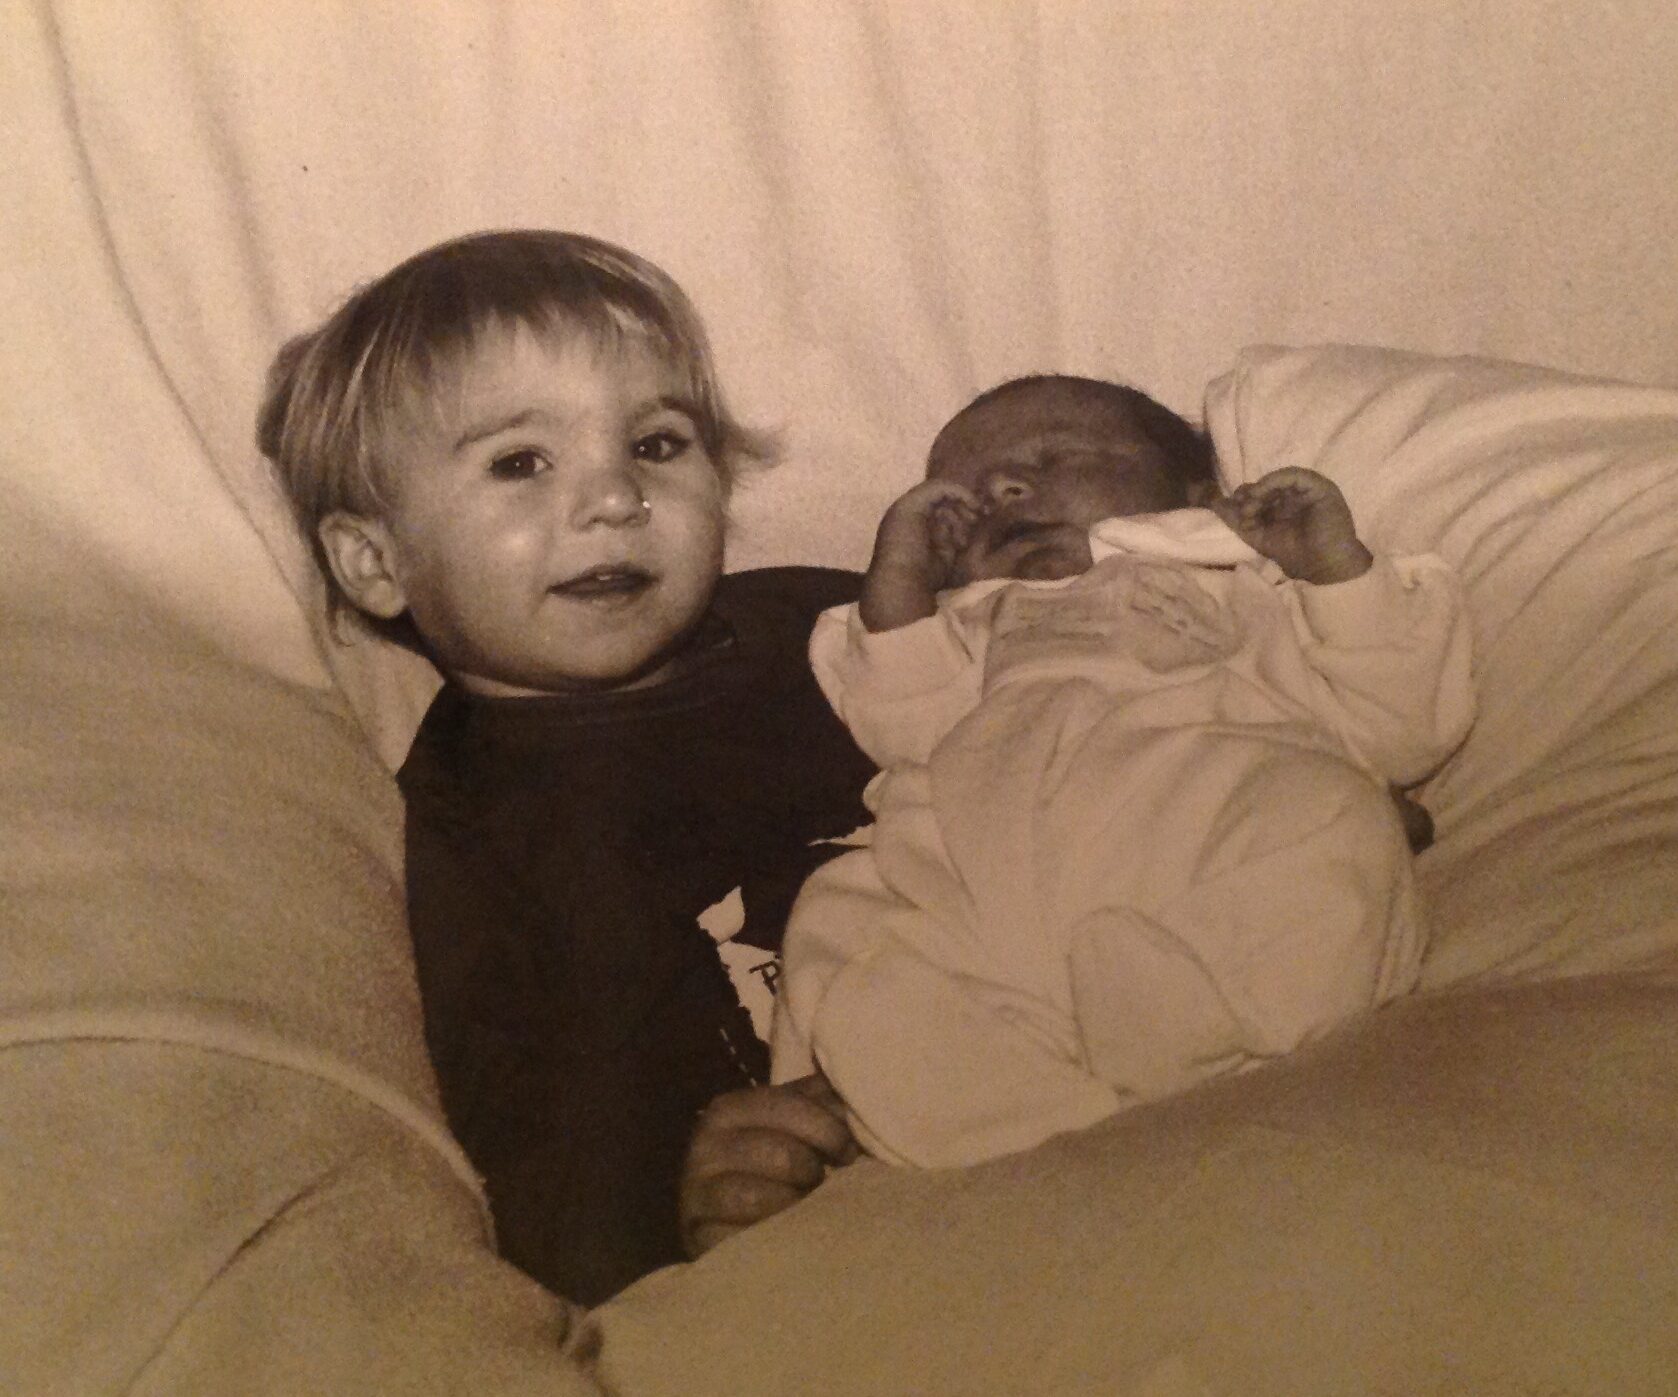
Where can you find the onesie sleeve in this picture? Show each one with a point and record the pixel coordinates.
(898, 691)
(1392, 649)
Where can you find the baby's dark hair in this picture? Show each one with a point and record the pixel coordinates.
(336, 395)
(1187, 449)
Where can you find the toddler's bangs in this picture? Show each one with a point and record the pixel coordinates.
(415, 362)
(424, 381)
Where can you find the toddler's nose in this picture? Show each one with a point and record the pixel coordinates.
(610, 496)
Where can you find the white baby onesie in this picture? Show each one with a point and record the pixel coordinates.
(1131, 832)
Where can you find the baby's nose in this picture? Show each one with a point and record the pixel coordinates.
(1004, 487)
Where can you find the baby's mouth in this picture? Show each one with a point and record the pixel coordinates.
(1016, 530)
(1042, 550)
(608, 582)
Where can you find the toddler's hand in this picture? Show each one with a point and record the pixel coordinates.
(1300, 521)
(757, 1151)
(914, 550)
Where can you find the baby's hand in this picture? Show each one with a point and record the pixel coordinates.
(1300, 521)
(914, 550)
(757, 1151)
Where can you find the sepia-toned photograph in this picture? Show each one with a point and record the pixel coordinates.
(839, 698)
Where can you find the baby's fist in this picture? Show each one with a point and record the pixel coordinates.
(1300, 521)
(914, 549)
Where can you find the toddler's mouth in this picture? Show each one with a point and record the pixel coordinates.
(607, 582)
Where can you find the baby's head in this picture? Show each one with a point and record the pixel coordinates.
(511, 451)
(1051, 455)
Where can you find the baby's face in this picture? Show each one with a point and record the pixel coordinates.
(557, 523)
(1047, 463)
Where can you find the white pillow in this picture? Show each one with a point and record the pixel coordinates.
(1557, 499)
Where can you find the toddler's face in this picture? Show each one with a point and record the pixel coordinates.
(1046, 464)
(557, 524)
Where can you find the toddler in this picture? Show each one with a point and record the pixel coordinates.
(511, 453)
(1132, 827)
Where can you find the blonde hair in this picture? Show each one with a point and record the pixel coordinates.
(335, 396)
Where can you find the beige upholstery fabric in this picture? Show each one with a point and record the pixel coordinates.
(1471, 1194)
(222, 1167)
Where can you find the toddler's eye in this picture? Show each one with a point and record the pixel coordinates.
(517, 465)
(661, 446)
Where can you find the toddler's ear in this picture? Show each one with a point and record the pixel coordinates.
(363, 558)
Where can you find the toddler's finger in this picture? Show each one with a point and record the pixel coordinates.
(817, 1088)
(788, 1109)
(700, 1236)
(740, 1198)
(767, 1154)
(716, 1208)
(821, 1091)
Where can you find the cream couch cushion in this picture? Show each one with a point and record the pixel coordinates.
(222, 1165)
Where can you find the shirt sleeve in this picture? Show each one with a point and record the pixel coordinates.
(1392, 652)
(898, 691)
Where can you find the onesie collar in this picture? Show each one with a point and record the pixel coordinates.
(1194, 536)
